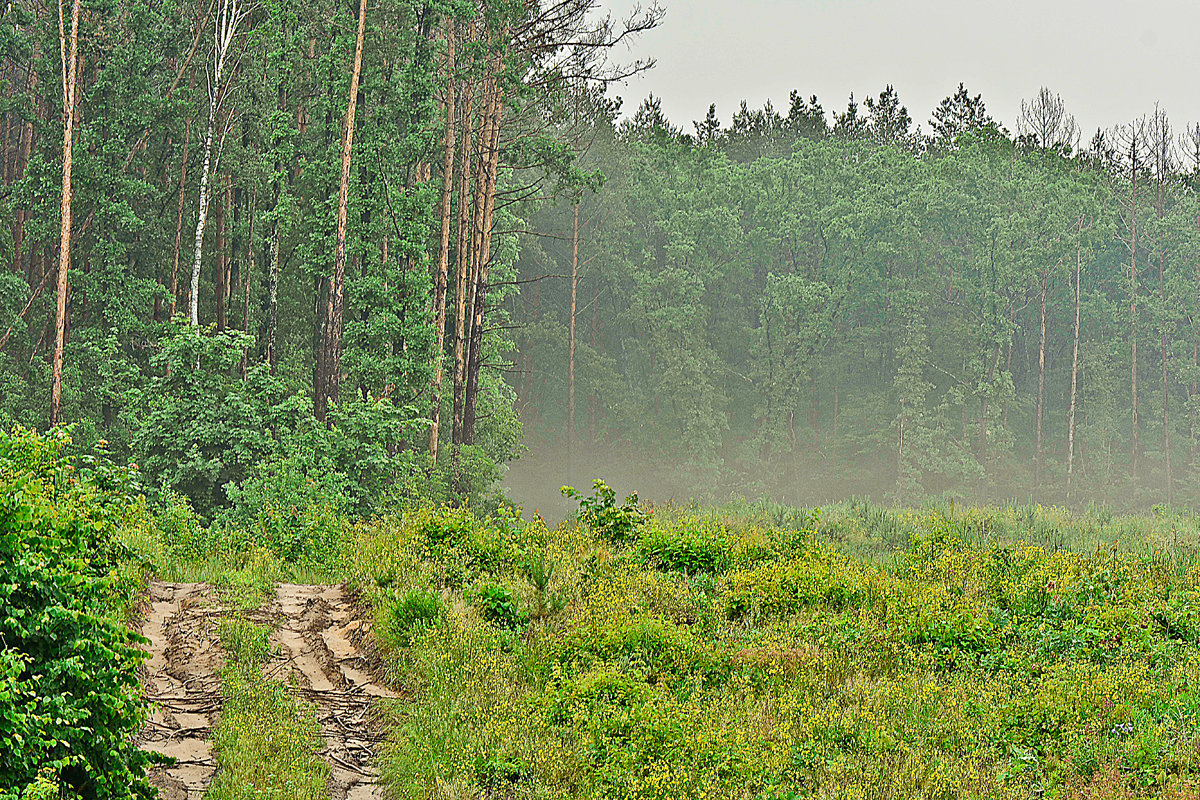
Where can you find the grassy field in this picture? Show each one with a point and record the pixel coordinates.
(756, 651)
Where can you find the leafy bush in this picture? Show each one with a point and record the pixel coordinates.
(288, 509)
(415, 611)
(600, 512)
(69, 700)
(821, 579)
(695, 547)
(498, 605)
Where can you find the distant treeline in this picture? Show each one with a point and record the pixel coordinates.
(786, 306)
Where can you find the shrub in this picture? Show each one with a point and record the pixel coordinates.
(498, 605)
(696, 547)
(288, 508)
(69, 700)
(819, 578)
(415, 611)
(600, 512)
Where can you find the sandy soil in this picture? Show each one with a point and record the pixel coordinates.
(182, 683)
(319, 638)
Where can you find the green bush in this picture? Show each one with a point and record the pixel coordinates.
(415, 611)
(285, 507)
(498, 605)
(600, 512)
(69, 699)
(696, 547)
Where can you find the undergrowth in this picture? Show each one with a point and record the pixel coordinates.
(767, 653)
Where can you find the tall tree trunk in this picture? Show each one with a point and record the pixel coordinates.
(69, 52)
(337, 285)
(1166, 381)
(187, 140)
(273, 299)
(462, 262)
(571, 343)
(1074, 365)
(249, 272)
(202, 215)
(230, 17)
(1041, 396)
(594, 400)
(490, 176)
(220, 274)
(1133, 317)
(443, 263)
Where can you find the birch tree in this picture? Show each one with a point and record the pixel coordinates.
(233, 13)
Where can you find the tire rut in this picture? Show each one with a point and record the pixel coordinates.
(182, 682)
(317, 638)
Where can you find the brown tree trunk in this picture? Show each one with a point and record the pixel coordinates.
(443, 263)
(219, 278)
(337, 284)
(462, 263)
(594, 400)
(479, 306)
(1133, 309)
(1074, 366)
(1041, 397)
(273, 299)
(571, 343)
(1166, 382)
(249, 272)
(69, 53)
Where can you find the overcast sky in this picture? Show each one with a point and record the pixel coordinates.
(1110, 61)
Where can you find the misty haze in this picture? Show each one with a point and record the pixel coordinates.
(599, 399)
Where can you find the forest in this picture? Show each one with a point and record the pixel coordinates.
(332, 335)
(805, 306)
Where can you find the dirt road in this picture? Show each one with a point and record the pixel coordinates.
(183, 684)
(319, 640)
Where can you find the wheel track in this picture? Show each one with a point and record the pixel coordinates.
(182, 682)
(316, 638)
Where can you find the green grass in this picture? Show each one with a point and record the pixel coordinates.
(767, 653)
(266, 741)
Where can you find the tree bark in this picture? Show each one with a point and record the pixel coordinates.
(187, 140)
(228, 20)
(571, 342)
(474, 362)
(1074, 366)
(1166, 382)
(594, 400)
(220, 276)
(337, 285)
(443, 263)
(462, 263)
(1041, 396)
(69, 53)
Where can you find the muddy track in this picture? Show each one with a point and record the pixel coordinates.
(182, 683)
(318, 637)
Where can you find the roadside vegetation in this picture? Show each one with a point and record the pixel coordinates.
(267, 741)
(757, 651)
(749, 650)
